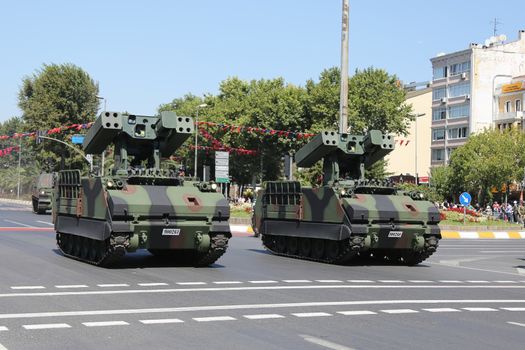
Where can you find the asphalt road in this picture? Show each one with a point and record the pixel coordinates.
(469, 295)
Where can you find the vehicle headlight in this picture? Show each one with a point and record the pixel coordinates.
(343, 192)
(42, 192)
(214, 186)
(109, 184)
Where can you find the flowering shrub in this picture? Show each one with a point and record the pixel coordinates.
(460, 210)
(456, 214)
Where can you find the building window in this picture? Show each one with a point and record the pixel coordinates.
(438, 94)
(457, 133)
(449, 152)
(460, 89)
(438, 154)
(438, 134)
(459, 68)
(440, 72)
(439, 113)
(507, 107)
(459, 111)
(518, 105)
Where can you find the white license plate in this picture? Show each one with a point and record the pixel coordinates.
(395, 234)
(171, 232)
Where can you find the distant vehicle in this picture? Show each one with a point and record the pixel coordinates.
(139, 205)
(349, 216)
(42, 193)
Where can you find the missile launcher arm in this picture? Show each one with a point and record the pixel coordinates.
(103, 132)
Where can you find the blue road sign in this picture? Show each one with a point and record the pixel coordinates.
(465, 198)
(77, 139)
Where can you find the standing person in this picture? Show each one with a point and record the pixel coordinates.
(515, 212)
(509, 213)
(521, 212)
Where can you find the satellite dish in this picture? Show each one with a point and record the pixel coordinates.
(502, 37)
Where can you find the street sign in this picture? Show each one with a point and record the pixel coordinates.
(77, 139)
(464, 198)
(222, 162)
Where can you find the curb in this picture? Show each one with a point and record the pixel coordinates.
(17, 201)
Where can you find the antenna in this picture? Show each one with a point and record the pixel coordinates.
(495, 23)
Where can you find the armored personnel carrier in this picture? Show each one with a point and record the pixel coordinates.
(41, 193)
(139, 205)
(348, 216)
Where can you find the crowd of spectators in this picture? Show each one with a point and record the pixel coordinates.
(512, 212)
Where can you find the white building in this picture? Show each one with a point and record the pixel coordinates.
(463, 90)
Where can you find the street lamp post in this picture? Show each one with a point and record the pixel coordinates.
(103, 156)
(196, 135)
(415, 145)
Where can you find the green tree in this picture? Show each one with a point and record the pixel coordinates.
(57, 95)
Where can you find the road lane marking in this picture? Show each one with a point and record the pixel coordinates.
(361, 281)
(27, 287)
(105, 323)
(2, 347)
(282, 287)
(227, 282)
(45, 223)
(329, 281)
(475, 309)
(477, 281)
(450, 281)
(442, 309)
(421, 281)
(324, 343)
(311, 314)
(153, 284)
(3, 328)
(517, 324)
(473, 268)
(263, 316)
(399, 311)
(71, 286)
(391, 281)
(500, 251)
(18, 223)
(46, 326)
(356, 312)
(112, 285)
(162, 321)
(253, 306)
(505, 282)
(265, 281)
(191, 283)
(513, 308)
(214, 319)
(26, 229)
(297, 281)
(457, 262)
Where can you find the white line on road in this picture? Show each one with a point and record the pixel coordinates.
(46, 326)
(450, 281)
(263, 316)
(27, 287)
(399, 311)
(162, 321)
(2, 347)
(18, 223)
(442, 309)
(265, 281)
(356, 312)
(361, 281)
(71, 286)
(478, 281)
(513, 308)
(45, 223)
(158, 284)
(311, 314)
(112, 285)
(105, 323)
(474, 268)
(324, 343)
(191, 283)
(505, 282)
(500, 251)
(420, 281)
(214, 319)
(297, 281)
(479, 309)
(329, 281)
(282, 287)
(227, 282)
(3, 328)
(254, 306)
(517, 324)
(391, 281)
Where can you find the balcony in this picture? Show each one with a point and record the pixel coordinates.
(509, 116)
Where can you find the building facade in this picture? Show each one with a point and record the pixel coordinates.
(463, 91)
(411, 154)
(509, 106)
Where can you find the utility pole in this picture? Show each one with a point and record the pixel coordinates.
(196, 136)
(343, 103)
(19, 164)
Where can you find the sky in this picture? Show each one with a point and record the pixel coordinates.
(146, 53)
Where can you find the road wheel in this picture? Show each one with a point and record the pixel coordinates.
(69, 243)
(332, 249)
(77, 245)
(85, 246)
(293, 245)
(305, 246)
(280, 244)
(317, 249)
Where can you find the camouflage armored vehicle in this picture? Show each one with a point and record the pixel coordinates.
(42, 193)
(139, 205)
(349, 216)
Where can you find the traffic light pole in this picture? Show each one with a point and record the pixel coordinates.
(73, 148)
(19, 163)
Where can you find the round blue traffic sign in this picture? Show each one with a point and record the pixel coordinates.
(465, 198)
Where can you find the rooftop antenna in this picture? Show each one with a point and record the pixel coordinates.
(495, 23)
